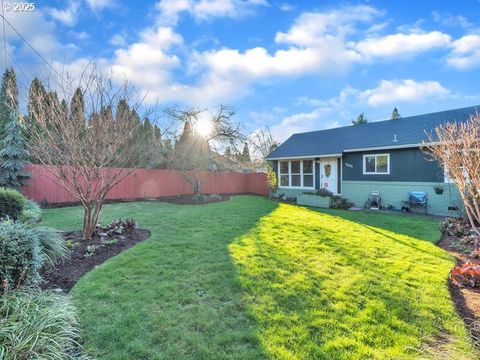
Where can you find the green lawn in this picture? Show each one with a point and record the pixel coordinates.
(252, 279)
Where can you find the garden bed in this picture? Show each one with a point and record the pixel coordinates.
(466, 299)
(86, 255)
(192, 200)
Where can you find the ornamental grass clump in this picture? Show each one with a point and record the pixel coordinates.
(38, 325)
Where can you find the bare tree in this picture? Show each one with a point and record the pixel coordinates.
(263, 142)
(456, 146)
(205, 132)
(86, 148)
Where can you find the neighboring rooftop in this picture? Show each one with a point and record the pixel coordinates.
(404, 131)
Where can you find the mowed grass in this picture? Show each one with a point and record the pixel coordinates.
(254, 279)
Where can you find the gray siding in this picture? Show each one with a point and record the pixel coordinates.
(405, 165)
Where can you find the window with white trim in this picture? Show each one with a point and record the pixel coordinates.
(376, 164)
(284, 170)
(296, 173)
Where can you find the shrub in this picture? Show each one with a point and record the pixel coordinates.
(199, 199)
(215, 197)
(52, 246)
(339, 202)
(38, 325)
(324, 192)
(31, 212)
(20, 254)
(271, 178)
(12, 203)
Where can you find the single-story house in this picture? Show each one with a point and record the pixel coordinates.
(383, 156)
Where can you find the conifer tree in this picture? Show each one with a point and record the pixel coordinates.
(245, 156)
(361, 119)
(8, 99)
(395, 114)
(13, 155)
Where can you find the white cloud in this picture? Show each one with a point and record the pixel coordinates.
(38, 31)
(316, 41)
(401, 45)
(466, 52)
(82, 35)
(286, 7)
(451, 20)
(148, 63)
(118, 40)
(314, 28)
(170, 10)
(67, 16)
(393, 92)
(97, 5)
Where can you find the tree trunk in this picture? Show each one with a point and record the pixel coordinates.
(90, 218)
(87, 222)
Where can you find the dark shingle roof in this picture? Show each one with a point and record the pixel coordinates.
(406, 130)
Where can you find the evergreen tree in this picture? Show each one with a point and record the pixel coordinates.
(245, 156)
(13, 156)
(167, 152)
(77, 109)
(228, 153)
(149, 144)
(395, 114)
(8, 99)
(35, 107)
(37, 91)
(361, 119)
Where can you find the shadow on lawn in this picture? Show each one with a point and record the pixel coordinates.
(420, 227)
(176, 296)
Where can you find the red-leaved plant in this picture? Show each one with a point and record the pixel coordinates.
(467, 274)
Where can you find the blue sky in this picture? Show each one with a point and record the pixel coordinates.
(294, 66)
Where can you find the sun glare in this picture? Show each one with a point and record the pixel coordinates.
(204, 126)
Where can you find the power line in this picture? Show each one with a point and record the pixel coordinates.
(4, 36)
(29, 45)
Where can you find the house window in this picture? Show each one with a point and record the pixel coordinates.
(378, 164)
(284, 177)
(308, 173)
(296, 174)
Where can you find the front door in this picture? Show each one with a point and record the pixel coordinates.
(328, 174)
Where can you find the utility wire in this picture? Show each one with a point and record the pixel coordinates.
(29, 45)
(4, 36)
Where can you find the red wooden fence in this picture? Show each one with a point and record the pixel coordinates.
(147, 184)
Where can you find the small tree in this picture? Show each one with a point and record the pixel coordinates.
(456, 146)
(90, 156)
(13, 156)
(195, 148)
(361, 119)
(245, 155)
(395, 114)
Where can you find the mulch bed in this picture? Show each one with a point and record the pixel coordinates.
(176, 199)
(82, 259)
(466, 299)
(189, 199)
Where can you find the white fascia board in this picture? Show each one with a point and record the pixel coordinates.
(385, 147)
(304, 157)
